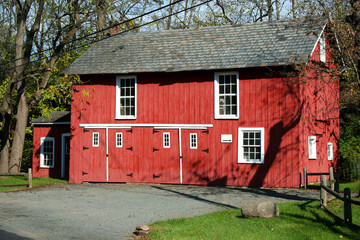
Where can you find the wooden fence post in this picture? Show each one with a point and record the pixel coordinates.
(337, 182)
(331, 175)
(30, 177)
(347, 206)
(323, 194)
(305, 178)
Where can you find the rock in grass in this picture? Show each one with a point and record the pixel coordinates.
(264, 209)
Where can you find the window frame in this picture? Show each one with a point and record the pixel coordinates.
(121, 140)
(241, 158)
(118, 97)
(164, 140)
(191, 142)
(217, 96)
(42, 153)
(94, 144)
(312, 147)
(330, 151)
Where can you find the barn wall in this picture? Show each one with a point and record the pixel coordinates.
(320, 115)
(266, 100)
(54, 131)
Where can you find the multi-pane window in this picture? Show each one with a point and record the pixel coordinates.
(119, 140)
(330, 151)
(193, 140)
(126, 97)
(166, 140)
(312, 147)
(251, 145)
(47, 152)
(96, 139)
(226, 95)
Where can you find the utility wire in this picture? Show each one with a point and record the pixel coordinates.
(105, 29)
(96, 32)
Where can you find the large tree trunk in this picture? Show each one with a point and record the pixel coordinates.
(4, 148)
(19, 135)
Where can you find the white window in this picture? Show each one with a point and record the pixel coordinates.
(166, 140)
(322, 48)
(47, 152)
(96, 139)
(226, 95)
(193, 140)
(126, 97)
(251, 145)
(312, 147)
(330, 151)
(119, 140)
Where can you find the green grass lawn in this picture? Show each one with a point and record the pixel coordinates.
(354, 186)
(23, 179)
(297, 220)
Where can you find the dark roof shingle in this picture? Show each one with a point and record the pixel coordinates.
(209, 48)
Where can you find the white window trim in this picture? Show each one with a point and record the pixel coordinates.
(330, 151)
(196, 141)
(117, 105)
(93, 138)
(216, 96)
(240, 145)
(312, 147)
(322, 44)
(116, 140)
(166, 134)
(42, 140)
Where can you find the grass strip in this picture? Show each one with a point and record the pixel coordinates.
(297, 220)
(24, 180)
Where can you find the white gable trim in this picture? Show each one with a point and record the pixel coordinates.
(317, 41)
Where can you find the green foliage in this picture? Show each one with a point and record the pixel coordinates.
(349, 148)
(297, 220)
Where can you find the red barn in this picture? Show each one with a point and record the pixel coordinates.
(244, 105)
(51, 145)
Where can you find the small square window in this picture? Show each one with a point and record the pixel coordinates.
(330, 151)
(166, 140)
(119, 140)
(96, 139)
(312, 147)
(193, 140)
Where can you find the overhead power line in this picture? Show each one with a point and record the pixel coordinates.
(96, 32)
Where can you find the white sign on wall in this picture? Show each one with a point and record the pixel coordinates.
(226, 138)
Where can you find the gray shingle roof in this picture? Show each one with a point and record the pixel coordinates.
(220, 47)
(57, 117)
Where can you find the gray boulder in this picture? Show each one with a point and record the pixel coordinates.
(264, 209)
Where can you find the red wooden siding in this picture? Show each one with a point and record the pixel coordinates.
(54, 131)
(320, 93)
(188, 98)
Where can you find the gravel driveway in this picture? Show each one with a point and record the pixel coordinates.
(112, 211)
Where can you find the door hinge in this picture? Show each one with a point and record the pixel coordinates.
(85, 148)
(130, 148)
(154, 176)
(155, 131)
(206, 131)
(129, 175)
(85, 130)
(155, 149)
(206, 150)
(206, 178)
(130, 131)
(84, 173)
